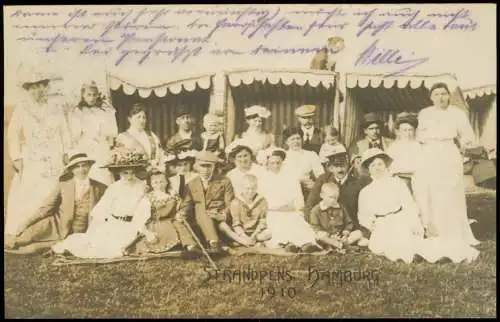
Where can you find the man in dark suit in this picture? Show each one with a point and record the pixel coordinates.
(312, 137)
(184, 139)
(211, 196)
(67, 209)
(371, 126)
(336, 163)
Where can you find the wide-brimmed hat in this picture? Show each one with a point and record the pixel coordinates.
(288, 132)
(236, 147)
(29, 75)
(78, 158)
(124, 158)
(373, 153)
(371, 118)
(336, 154)
(305, 110)
(406, 117)
(257, 111)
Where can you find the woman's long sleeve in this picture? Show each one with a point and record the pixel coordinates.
(14, 135)
(142, 213)
(365, 216)
(466, 134)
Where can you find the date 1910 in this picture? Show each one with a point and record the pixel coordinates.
(271, 291)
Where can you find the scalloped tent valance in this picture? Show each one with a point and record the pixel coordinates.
(188, 84)
(476, 92)
(274, 76)
(413, 81)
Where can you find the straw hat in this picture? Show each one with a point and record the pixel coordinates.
(335, 154)
(305, 110)
(78, 158)
(373, 153)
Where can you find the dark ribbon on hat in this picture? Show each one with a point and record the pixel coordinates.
(78, 156)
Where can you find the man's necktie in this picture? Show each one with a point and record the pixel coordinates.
(182, 183)
(307, 140)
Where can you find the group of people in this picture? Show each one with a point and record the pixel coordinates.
(97, 193)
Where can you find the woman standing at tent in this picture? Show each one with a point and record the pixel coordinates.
(137, 138)
(38, 139)
(255, 136)
(439, 186)
(93, 129)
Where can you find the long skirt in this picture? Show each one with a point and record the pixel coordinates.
(107, 238)
(288, 227)
(440, 193)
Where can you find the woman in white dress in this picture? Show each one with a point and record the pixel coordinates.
(388, 210)
(243, 159)
(137, 138)
(255, 137)
(285, 219)
(405, 151)
(93, 129)
(302, 164)
(119, 217)
(439, 185)
(38, 140)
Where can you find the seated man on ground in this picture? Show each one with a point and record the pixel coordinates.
(67, 209)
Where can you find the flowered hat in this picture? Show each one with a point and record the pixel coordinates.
(257, 110)
(126, 158)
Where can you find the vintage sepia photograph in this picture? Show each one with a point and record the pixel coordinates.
(250, 161)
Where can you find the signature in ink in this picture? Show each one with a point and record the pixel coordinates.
(376, 55)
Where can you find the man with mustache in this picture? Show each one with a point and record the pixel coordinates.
(336, 162)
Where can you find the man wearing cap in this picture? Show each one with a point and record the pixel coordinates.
(184, 135)
(312, 137)
(336, 164)
(211, 196)
(371, 126)
(67, 209)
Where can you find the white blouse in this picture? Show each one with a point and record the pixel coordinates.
(302, 162)
(406, 155)
(236, 177)
(281, 189)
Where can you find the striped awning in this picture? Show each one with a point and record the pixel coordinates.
(187, 84)
(404, 81)
(301, 77)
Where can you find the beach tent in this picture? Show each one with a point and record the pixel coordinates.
(161, 100)
(483, 115)
(281, 91)
(388, 96)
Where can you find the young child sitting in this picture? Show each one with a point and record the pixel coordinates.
(212, 138)
(167, 220)
(331, 135)
(330, 220)
(249, 214)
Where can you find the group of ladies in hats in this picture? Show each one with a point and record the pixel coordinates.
(312, 200)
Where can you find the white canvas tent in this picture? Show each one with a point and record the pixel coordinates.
(387, 96)
(280, 90)
(161, 100)
(483, 115)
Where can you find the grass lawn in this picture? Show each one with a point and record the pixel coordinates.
(176, 288)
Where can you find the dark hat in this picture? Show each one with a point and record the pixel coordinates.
(406, 117)
(181, 110)
(371, 118)
(288, 132)
(172, 157)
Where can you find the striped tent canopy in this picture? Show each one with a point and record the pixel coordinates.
(160, 101)
(388, 96)
(483, 108)
(281, 91)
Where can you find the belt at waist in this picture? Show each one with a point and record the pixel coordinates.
(389, 213)
(123, 218)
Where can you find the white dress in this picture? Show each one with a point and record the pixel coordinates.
(257, 140)
(387, 209)
(406, 156)
(93, 130)
(236, 177)
(285, 226)
(106, 236)
(439, 185)
(302, 163)
(39, 136)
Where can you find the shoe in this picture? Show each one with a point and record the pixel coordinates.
(215, 248)
(291, 248)
(309, 248)
(193, 252)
